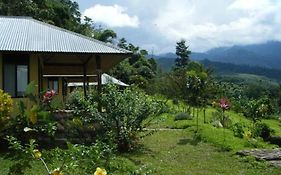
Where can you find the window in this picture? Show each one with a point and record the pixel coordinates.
(53, 84)
(15, 74)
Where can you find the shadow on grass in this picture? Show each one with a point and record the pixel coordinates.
(185, 126)
(190, 141)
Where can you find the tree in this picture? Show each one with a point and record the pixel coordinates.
(137, 69)
(182, 53)
(62, 13)
(122, 43)
(105, 35)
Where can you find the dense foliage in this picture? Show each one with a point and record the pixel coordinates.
(125, 113)
(6, 107)
(137, 69)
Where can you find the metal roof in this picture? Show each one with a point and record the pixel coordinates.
(26, 34)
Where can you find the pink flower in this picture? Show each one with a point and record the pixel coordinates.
(224, 103)
(47, 97)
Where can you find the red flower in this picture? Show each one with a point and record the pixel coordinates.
(47, 97)
(224, 104)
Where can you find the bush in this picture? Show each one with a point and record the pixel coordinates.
(182, 116)
(238, 130)
(125, 113)
(261, 130)
(33, 120)
(6, 106)
(258, 109)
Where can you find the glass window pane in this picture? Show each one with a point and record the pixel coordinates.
(9, 79)
(50, 84)
(53, 84)
(56, 86)
(22, 79)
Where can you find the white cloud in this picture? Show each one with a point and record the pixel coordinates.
(250, 4)
(113, 16)
(205, 25)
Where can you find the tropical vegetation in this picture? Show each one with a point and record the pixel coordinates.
(184, 121)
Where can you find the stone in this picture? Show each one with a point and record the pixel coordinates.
(272, 156)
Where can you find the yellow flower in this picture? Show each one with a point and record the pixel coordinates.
(247, 134)
(57, 171)
(100, 171)
(37, 154)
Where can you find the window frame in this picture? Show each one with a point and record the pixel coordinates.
(16, 59)
(53, 80)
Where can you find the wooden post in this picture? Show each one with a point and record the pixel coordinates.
(99, 73)
(84, 81)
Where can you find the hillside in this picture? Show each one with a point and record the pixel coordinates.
(229, 68)
(220, 68)
(266, 55)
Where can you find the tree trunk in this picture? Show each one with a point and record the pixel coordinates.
(204, 113)
(197, 120)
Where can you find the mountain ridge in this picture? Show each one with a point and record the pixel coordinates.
(266, 55)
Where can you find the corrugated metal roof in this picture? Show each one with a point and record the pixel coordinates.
(30, 35)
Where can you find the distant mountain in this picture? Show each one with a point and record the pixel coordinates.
(222, 69)
(263, 55)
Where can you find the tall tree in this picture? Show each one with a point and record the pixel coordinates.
(137, 69)
(182, 53)
(105, 35)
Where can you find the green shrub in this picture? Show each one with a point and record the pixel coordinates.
(261, 130)
(125, 113)
(6, 107)
(33, 120)
(87, 158)
(238, 130)
(182, 116)
(258, 109)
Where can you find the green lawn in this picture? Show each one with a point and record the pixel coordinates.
(175, 152)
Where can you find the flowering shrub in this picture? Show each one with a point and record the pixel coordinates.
(224, 104)
(219, 117)
(6, 106)
(48, 96)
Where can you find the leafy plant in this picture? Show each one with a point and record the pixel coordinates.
(33, 115)
(22, 155)
(261, 130)
(238, 130)
(258, 109)
(125, 113)
(6, 107)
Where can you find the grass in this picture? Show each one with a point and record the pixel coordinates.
(222, 138)
(176, 152)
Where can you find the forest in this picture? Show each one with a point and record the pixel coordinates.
(191, 119)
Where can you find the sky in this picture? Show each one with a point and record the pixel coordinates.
(156, 25)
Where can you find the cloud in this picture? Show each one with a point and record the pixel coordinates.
(112, 16)
(206, 25)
